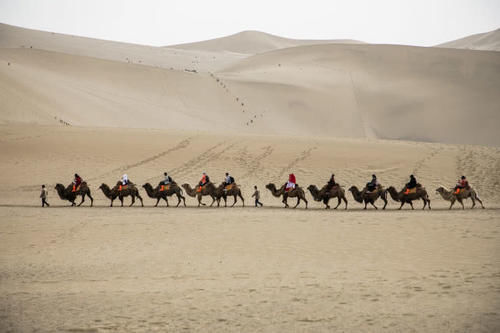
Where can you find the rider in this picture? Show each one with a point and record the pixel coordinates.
(167, 180)
(290, 185)
(372, 185)
(76, 182)
(462, 183)
(331, 183)
(228, 180)
(411, 185)
(204, 181)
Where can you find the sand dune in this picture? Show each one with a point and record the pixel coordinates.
(252, 42)
(389, 92)
(488, 41)
(15, 37)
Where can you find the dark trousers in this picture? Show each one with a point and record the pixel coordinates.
(44, 202)
(257, 202)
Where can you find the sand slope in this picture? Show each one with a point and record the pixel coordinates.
(252, 42)
(488, 41)
(15, 37)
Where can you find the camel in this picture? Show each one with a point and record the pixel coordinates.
(68, 194)
(155, 193)
(207, 189)
(325, 196)
(296, 192)
(234, 191)
(369, 197)
(468, 192)
(113, 193)
(408, 198)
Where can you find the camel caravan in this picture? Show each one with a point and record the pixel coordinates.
(368, 195)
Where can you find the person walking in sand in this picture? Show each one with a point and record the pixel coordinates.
(256, 194)
(43, 196)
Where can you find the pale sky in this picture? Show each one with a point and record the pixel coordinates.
(424, 22)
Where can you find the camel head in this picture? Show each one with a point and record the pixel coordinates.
(271, 187)
(353, 188)
(440, 190)
(314, 192)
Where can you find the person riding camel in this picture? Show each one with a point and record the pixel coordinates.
(228, 180)
(461, 184)
(204, 181)
(290, 185)
(167, 180)
(372, 184)
(411, 185)
(76, 182)
(124, 181)
(331, 183)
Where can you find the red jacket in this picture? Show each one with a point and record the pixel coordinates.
(291, 178)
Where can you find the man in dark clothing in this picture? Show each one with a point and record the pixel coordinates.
(411, 185)
(372, 185)
(331, 183)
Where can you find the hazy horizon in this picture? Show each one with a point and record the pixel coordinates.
(424, 23)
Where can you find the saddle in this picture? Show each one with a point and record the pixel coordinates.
(164, 187)
(411, 191)
(122, 187)
(76, 188)
(458, 191)
(229, 187)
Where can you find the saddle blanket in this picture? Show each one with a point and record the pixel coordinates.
(164, 188)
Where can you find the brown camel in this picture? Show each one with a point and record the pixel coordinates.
(234, 191)
(169, 190)
(421, 193)
(113, 193)
(467, 192)
(325, 195)
(297, 192)
(68, 194)
(369, 197)
(208, 189)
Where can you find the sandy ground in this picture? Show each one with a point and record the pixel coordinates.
(242, 269)
(145, 269)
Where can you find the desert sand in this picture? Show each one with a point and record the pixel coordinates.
(71, 104)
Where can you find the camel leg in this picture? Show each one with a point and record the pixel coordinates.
(461, 202)
(425, 203)
(91, 199)
(178, 200)
(235, 198)
(411, 204)
(480, 202)
(184, 200)
(385, 202)
(157, 201)
(133, 201)
(345, 200)
(402, 203)
(452, 203)
(304, 198)
(298, 201)
(166, 199)
(371, 202)
(473, 202)
(83, 200)
(111, 202)
(140, 198)
(213, 200)
(366, 203)
(242, 200)
(338, 202)
(121, 200)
